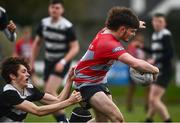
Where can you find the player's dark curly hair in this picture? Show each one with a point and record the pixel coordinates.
(11, 66)
(121, 16)
(56, 2)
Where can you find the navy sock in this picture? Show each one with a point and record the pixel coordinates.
(168, 120)
(60, 118)
(148, 120)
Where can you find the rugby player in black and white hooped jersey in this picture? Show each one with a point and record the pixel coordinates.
(161, 56)
(61, 46)
(7, 27)
(18, 95)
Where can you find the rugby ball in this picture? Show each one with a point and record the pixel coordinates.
(141, 78)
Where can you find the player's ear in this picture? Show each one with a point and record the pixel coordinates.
(122, 29)
(12, 76)
(62, 10)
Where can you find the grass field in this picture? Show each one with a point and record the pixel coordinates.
(138, 114)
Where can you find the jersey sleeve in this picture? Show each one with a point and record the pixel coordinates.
(71, 34)
(168, 52)
(3, 19)
(39, 30)
(110, 50)
(11, 98)
(36, 96)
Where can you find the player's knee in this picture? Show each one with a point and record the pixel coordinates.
(152, 100)
(117, 117)
(101, 119)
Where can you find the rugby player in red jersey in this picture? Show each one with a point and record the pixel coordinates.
(90, 80)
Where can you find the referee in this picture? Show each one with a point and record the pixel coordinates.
(61, 46)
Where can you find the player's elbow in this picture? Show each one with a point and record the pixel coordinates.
(76, 48)
(39, 112)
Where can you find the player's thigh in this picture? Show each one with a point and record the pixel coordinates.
(99, 117)
(156, 91)
(102, 103)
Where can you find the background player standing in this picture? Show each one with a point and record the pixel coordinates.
(162, 55)
(61, 46)
(23, 45)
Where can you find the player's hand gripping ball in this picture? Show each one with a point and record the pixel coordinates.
(141, 78)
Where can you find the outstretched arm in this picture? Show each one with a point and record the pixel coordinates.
(138, 64)
(66, 90)
(30, 107)
(50, 99)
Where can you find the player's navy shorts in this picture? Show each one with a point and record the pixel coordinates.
(88, 91)
(164, 77)
(50, 69)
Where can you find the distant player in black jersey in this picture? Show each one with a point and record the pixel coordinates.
(162, 55)
(7, 27)
(61, 46)
(18, 95)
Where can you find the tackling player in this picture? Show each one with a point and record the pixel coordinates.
(18, 95)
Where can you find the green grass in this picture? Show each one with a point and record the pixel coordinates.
(138, 114)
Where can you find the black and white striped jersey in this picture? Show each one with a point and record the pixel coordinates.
(3, 18)
(161, 48)
(3, 25)
(57, 37)
(10, 96)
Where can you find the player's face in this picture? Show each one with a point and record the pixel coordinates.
(127, 33)
(56, 10)
(158, 23)
(139, 40)
(22, 76)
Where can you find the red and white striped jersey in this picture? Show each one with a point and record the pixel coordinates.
(99, 57)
